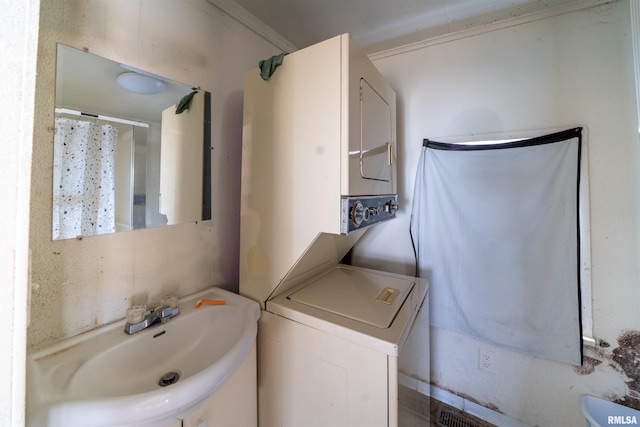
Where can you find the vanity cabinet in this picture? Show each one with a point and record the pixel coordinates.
(235, 404)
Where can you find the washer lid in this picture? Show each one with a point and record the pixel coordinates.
(363, 295)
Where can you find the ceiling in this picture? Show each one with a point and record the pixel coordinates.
(381, 24)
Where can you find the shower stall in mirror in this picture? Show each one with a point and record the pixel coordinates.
(100, 175)
(126, 156)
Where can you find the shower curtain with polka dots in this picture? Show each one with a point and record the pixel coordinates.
(83, 178)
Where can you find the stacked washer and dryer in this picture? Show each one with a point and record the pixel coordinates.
(318, 169)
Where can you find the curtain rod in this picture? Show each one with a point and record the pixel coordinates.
(101, 117)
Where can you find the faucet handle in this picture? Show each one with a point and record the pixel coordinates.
(136, 313)
(167, 312)
(170, 300)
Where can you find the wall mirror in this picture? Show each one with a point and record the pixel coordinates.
(132, 149)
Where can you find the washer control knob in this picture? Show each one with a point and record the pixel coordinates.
(359, 213)
(391, 207)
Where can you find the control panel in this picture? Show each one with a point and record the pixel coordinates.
(361, 212)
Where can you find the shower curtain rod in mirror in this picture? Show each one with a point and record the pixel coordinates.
(101, 117)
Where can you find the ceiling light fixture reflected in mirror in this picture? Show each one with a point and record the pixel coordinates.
(140, 83)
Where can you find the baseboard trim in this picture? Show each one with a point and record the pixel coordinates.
(458, 402)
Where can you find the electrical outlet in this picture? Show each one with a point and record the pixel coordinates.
(487, 360)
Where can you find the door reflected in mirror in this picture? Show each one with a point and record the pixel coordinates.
(132, 149)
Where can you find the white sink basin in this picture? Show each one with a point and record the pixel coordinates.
(107, 378)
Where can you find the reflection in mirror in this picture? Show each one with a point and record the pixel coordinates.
(131, 149)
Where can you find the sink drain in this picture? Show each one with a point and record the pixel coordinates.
(169, 378)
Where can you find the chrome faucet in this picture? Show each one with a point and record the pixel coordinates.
(157, 315)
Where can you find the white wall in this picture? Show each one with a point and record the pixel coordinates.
(557, 72)
(18, 44)
(85, 283)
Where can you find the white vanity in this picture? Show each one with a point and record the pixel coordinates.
(188, 371)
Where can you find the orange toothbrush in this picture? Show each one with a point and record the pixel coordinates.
(210, 301)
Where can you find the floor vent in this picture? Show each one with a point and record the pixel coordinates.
(447, 418)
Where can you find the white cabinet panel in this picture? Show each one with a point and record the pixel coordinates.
(319, 379)
(376, 140)
(235, 404)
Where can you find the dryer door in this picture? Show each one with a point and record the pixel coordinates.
(376, 151)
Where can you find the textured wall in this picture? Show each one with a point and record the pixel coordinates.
(84, 283)
(558, 72)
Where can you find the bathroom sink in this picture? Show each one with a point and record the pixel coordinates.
(151, 378)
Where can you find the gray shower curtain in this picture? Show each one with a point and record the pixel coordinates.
(496, 230)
